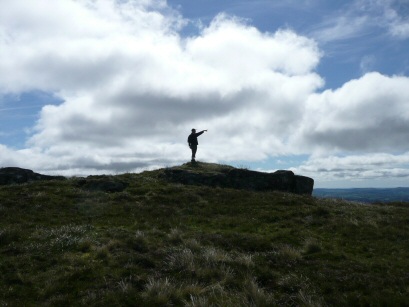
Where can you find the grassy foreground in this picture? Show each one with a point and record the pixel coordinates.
(159, 243)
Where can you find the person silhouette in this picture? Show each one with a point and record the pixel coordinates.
(192, 141)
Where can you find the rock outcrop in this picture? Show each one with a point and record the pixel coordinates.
(229, 177)
(213, 175)
(16, 175)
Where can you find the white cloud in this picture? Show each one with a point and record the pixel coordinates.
(398, 25)
(360, 18)
(342, 27)
(400, 29)
(227, 41)
(357, 133)
(370, 114)
(133, 88)
(380, 169)
(74, 45)
(367, 63)
(390, 14)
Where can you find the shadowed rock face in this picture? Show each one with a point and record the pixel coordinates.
(282, 180)
(16, 175)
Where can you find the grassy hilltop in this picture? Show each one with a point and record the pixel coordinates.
(160, 243)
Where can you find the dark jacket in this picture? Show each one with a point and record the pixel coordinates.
(192, 139)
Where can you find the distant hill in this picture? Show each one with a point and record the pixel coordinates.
(367, 195)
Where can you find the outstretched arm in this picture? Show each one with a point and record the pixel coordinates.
(201, 132)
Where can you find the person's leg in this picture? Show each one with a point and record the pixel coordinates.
(194, 149)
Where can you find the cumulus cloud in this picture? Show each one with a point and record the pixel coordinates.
(133, 87)
(357, 132)
(370, 114)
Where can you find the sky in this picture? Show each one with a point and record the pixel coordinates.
(113, 86)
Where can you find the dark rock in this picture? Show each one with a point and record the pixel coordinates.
(304, 185)
(102, 184)
(281, 180)
(16, 175)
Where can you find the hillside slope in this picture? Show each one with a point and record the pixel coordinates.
(153, 242)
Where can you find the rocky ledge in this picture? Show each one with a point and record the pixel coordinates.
(229, 177)
(16, 175)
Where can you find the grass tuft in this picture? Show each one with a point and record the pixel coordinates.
(256, 296)
(312, 246)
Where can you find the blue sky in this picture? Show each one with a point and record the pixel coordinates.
(348, 53)
(318, 87)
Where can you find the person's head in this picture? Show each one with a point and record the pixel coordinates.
(193, 130)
